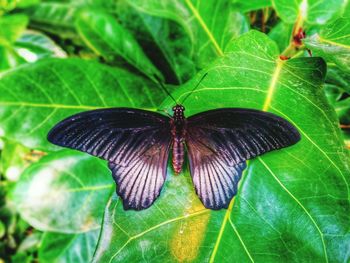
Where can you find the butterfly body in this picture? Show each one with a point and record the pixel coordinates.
(178, 132)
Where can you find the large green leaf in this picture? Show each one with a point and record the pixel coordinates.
(333, 43)
(292, 205)
(311, 11)
(40, 95)
(64, 192)
(103, 34)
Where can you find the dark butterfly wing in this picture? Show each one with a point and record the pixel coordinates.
(134, 142)
(220, 141)
(141, 180)
(214, 179)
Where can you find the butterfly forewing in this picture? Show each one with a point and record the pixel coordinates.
(134, 142)
(220, 141)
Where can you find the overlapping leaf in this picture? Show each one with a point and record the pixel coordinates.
(292, 204)
(333, 43)
(64, 192)
(103, 34)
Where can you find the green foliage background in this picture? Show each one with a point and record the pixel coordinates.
(58, 58)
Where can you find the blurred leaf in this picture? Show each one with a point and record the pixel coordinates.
(11, 28)
(342, 108)
(281, 34)
(9, 5)
(246, 6)
(18, 46)
(57, 17)
(33, 46)
(311, 11)
(338, 78)
(30, 243)
(333, 43)
(284, 197)
(346, 9)
(40, 95)
(333, 93)
(64, 192)
(26, 3)
(6, 6)
(2, 229)
(337, 90)
(21, 257)
(9, 58)
(346, 134)
(13, 160)
(103, 34)
(63, 248)
(54, 17)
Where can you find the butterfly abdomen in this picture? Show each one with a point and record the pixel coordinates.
(178, 155)
(178, 130)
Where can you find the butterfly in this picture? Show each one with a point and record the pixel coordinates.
(137, 144)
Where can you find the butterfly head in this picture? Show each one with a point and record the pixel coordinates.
(178, 111)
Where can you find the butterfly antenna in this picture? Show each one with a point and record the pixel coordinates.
(199, 82)
(164, 88)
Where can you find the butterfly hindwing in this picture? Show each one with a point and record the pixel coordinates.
(214, 179)
(140, 181)
(220, 141)
(134, 142)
